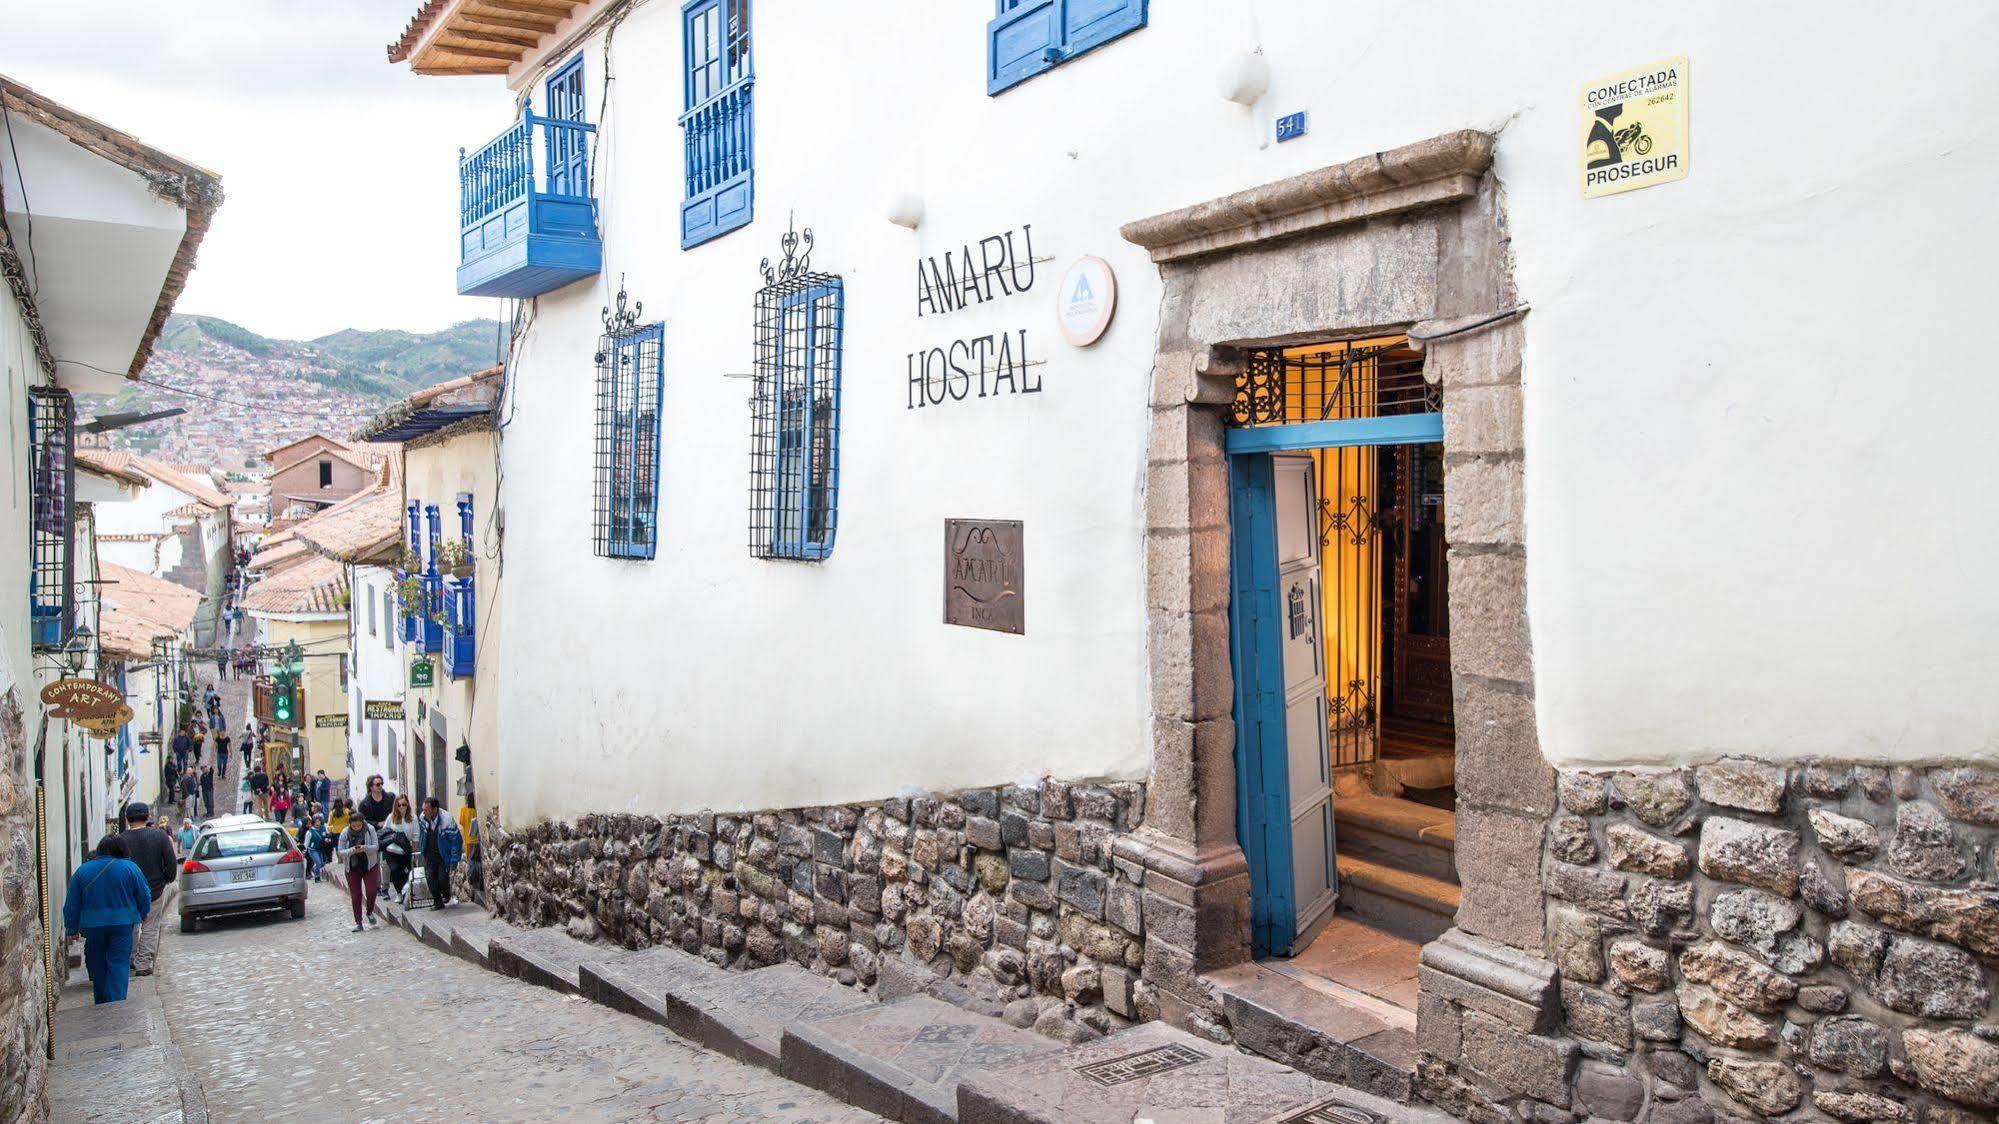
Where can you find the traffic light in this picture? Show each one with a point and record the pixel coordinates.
(281, 703)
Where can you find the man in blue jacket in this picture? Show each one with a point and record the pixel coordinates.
(107, 897)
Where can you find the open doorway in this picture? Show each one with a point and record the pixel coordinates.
(1341, 572)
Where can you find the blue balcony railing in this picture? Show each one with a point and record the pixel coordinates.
(432, 629)
(527, 220)
(460, 644)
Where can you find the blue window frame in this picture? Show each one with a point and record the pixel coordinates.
(52, 519)
(1028, 37)
(795, 453)
(630, 372)
(718, 127)
(568, 154)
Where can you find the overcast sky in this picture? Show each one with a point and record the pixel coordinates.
(340, 170)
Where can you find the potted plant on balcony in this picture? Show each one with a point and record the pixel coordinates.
(456, 557)
(409, 594)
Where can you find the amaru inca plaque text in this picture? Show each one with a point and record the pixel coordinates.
(984, 571)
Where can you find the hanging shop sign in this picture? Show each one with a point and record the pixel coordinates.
(1634, 129)
(991, 364)
(423, 673)
(1085, 302)
(388, 710)
(984, 574)
(97, 707)
(329, 721)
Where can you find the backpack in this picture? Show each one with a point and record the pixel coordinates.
(450, 844)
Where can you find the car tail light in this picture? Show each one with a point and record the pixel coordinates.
(292, 856)
(193, 867)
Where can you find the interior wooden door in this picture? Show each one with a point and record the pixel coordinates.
(1419, 685)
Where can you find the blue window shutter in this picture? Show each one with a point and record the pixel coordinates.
(1022, 41)
(1091, 23)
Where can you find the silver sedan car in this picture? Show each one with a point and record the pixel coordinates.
(240, 867)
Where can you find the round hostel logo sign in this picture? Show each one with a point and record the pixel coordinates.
(1085, 301)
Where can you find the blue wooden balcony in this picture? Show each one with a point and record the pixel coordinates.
(460, 644)
(429, 628)
(527, 220)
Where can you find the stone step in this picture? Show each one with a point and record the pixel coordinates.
(548, 957)
(1417, 905)
(1157, 1072)
(904, 1060)
(471, 940)
(1361, 1044)
(104, 1028)
(151, 1083)
(638, 983)
(1432, 832)
(744, 1014)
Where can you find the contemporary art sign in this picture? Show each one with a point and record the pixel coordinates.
(984, 584)
(389, 710)
(1634, 129)
(97, 707)
(996, 268)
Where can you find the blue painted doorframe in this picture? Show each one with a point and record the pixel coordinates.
(1263, 779)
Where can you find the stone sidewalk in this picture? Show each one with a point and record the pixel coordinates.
(118, 1062)
(911, 1058)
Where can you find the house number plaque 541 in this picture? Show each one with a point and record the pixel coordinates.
(983, 575)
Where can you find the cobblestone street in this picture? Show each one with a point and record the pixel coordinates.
(284, 1020)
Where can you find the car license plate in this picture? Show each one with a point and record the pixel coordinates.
(243, 876)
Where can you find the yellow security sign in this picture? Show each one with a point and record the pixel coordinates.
(1635, 129)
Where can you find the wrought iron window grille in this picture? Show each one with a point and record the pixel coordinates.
(52, 521)
(630, 370)
(795, 407)
(1284, 386)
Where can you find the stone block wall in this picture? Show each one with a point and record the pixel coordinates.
(1745, 941)
(23, 998)
(1012, 894)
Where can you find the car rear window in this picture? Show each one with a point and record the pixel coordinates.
(236, 844)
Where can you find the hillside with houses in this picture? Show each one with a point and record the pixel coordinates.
(246, 393)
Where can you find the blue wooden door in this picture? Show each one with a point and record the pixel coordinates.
(1284, 800)
(568, 155)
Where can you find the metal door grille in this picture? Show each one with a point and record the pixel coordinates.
(1350, 536)
(52, 471)
(1371, 379)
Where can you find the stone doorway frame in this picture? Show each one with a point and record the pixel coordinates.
(1410, 240)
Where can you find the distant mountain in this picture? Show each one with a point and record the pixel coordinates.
(246, 394)
(382, 364)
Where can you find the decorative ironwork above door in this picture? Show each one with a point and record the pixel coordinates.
(1331, 382)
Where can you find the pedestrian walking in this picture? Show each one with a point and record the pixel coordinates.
(245, 799)
(260, 790)
(153, 850)
(376, 802)
(221, 664)
(208, 790)
(322, 789)
(359, 850)
(183, 745)
(399, 835)
(281, 804)
(184, 838)
(107, 898)
(190, 791)
(310, 842)
(440, 846)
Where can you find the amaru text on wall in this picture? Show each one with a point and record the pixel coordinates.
(985, 365)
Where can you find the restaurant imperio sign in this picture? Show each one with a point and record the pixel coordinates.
(984, 574)
(988, 365)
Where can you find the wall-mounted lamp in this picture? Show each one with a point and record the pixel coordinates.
(1244, 78)
(906, 210)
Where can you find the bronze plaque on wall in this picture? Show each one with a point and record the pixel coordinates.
(984, 575)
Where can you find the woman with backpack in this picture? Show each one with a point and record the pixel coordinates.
(358, 849)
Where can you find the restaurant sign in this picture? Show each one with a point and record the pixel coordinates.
(983, 574)
(329, 721)
(388, 710)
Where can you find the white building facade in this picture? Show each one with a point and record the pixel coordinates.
(1416, 485)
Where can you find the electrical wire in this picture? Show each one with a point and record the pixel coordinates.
(1471, 327)
(27, 209)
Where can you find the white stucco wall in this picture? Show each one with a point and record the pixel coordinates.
(376, 654)
(1752, 523)
(471, 705)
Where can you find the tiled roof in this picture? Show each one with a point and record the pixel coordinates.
(135, 607)
(314, 585)
(476, 36)
(125, 475)
(362, 527)
(360, 454)
(272, 557)
(195, 488)
(194, 189)
(460, 400)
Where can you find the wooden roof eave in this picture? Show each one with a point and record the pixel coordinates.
(480, 36)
